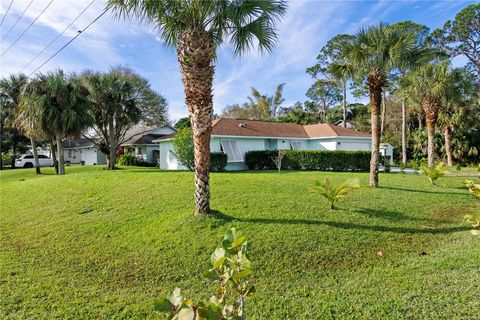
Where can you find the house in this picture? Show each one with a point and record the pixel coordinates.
(386, 150)
(236, 137)
(140, 142)
(84, 151)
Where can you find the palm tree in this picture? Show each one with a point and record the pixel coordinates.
(196, 29)
(342, 71)
(375, 51)
(58, 106)
(114, 108)
(10, 89)
(432, 83)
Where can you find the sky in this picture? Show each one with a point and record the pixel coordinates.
(108, 42)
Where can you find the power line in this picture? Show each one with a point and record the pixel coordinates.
(5, 15)
(76, 36)
(11, 28)
(56, 38)
(31, 24)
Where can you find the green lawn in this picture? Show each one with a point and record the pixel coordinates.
(95, 244)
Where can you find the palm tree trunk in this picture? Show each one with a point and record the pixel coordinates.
(404, 132)
(61, 159)
(448, 145)
(384, 112)
(376, 81)
(35, 155)
(14, 147)
(420, 120)
(431, 107)
(112, 160)
(195, 52)
(344, 103)
(54, 155)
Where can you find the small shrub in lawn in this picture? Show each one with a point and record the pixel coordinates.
(435, 173)
(474, 220)
(473, 187)
(127, 159)
(332, 192)
(230, 269)
(458, 167)
(278, 159)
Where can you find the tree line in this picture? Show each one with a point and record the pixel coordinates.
(98, 106)
(403, 66)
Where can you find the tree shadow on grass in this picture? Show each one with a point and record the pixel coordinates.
(424, 191)
(341, 225)
(395, 216)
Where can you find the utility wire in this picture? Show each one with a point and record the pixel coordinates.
(28, 28)
(11, 28)
(76, 36)
(57, 37)
(6, 12)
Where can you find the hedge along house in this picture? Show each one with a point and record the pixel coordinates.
(236, 137)
(141, 142)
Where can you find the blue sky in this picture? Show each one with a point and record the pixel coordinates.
(306, 28)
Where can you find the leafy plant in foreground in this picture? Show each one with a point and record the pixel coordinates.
(333, 192)
(230, 269)
(474, 220)
(473, 187)
(434, 173)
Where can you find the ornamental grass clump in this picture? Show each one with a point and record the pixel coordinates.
(332, 192)
(434, 173)
(230, 269)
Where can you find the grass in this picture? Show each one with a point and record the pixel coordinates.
(104, 245)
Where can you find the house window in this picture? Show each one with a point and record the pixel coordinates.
(232, 149)
(296, 145)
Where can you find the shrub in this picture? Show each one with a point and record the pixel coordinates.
(474, 220)
(218, 161)
(473, 187)
(230, 270)
(433, 174)
(310, 160)
(333, 192)
(127, 159)
(182, 145)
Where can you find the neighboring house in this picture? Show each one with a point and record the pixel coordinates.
(140, 142)
(386, 149)
(83, 150)
(236, 137)
(349, 125)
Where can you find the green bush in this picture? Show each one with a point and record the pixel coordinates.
(183, 148)
(127, 159)
(332, 192)
(310, 160)
(218, 161)
(435, 173)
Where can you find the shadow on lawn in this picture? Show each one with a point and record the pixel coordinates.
(342, 225)
(424, 191)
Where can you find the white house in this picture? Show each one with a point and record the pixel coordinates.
(140, 141)
(236, 137)
(82, 150)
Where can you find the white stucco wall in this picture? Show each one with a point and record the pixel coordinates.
(91, 156)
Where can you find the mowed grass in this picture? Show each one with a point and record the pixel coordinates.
(95, 244)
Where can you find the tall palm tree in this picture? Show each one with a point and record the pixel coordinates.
(342, 71)
(196, 28)
(114, 108)
(11, 88)
(432, 83)
(375, 51)
(58, 106)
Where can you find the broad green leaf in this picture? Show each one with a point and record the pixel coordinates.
(176, 298)
(242, 274)
(217, 258)
(163, 305)
(233, 238)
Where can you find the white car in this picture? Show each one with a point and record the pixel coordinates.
(27, 161)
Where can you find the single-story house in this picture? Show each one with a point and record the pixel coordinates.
(140, 142)
(82, 150)
(236, 137)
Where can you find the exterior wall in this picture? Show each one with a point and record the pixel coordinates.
(90, 155)
(167, 160)
(354, 144)
(388, 150)
(322, 144)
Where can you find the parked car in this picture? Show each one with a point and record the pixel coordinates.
(27, 161)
